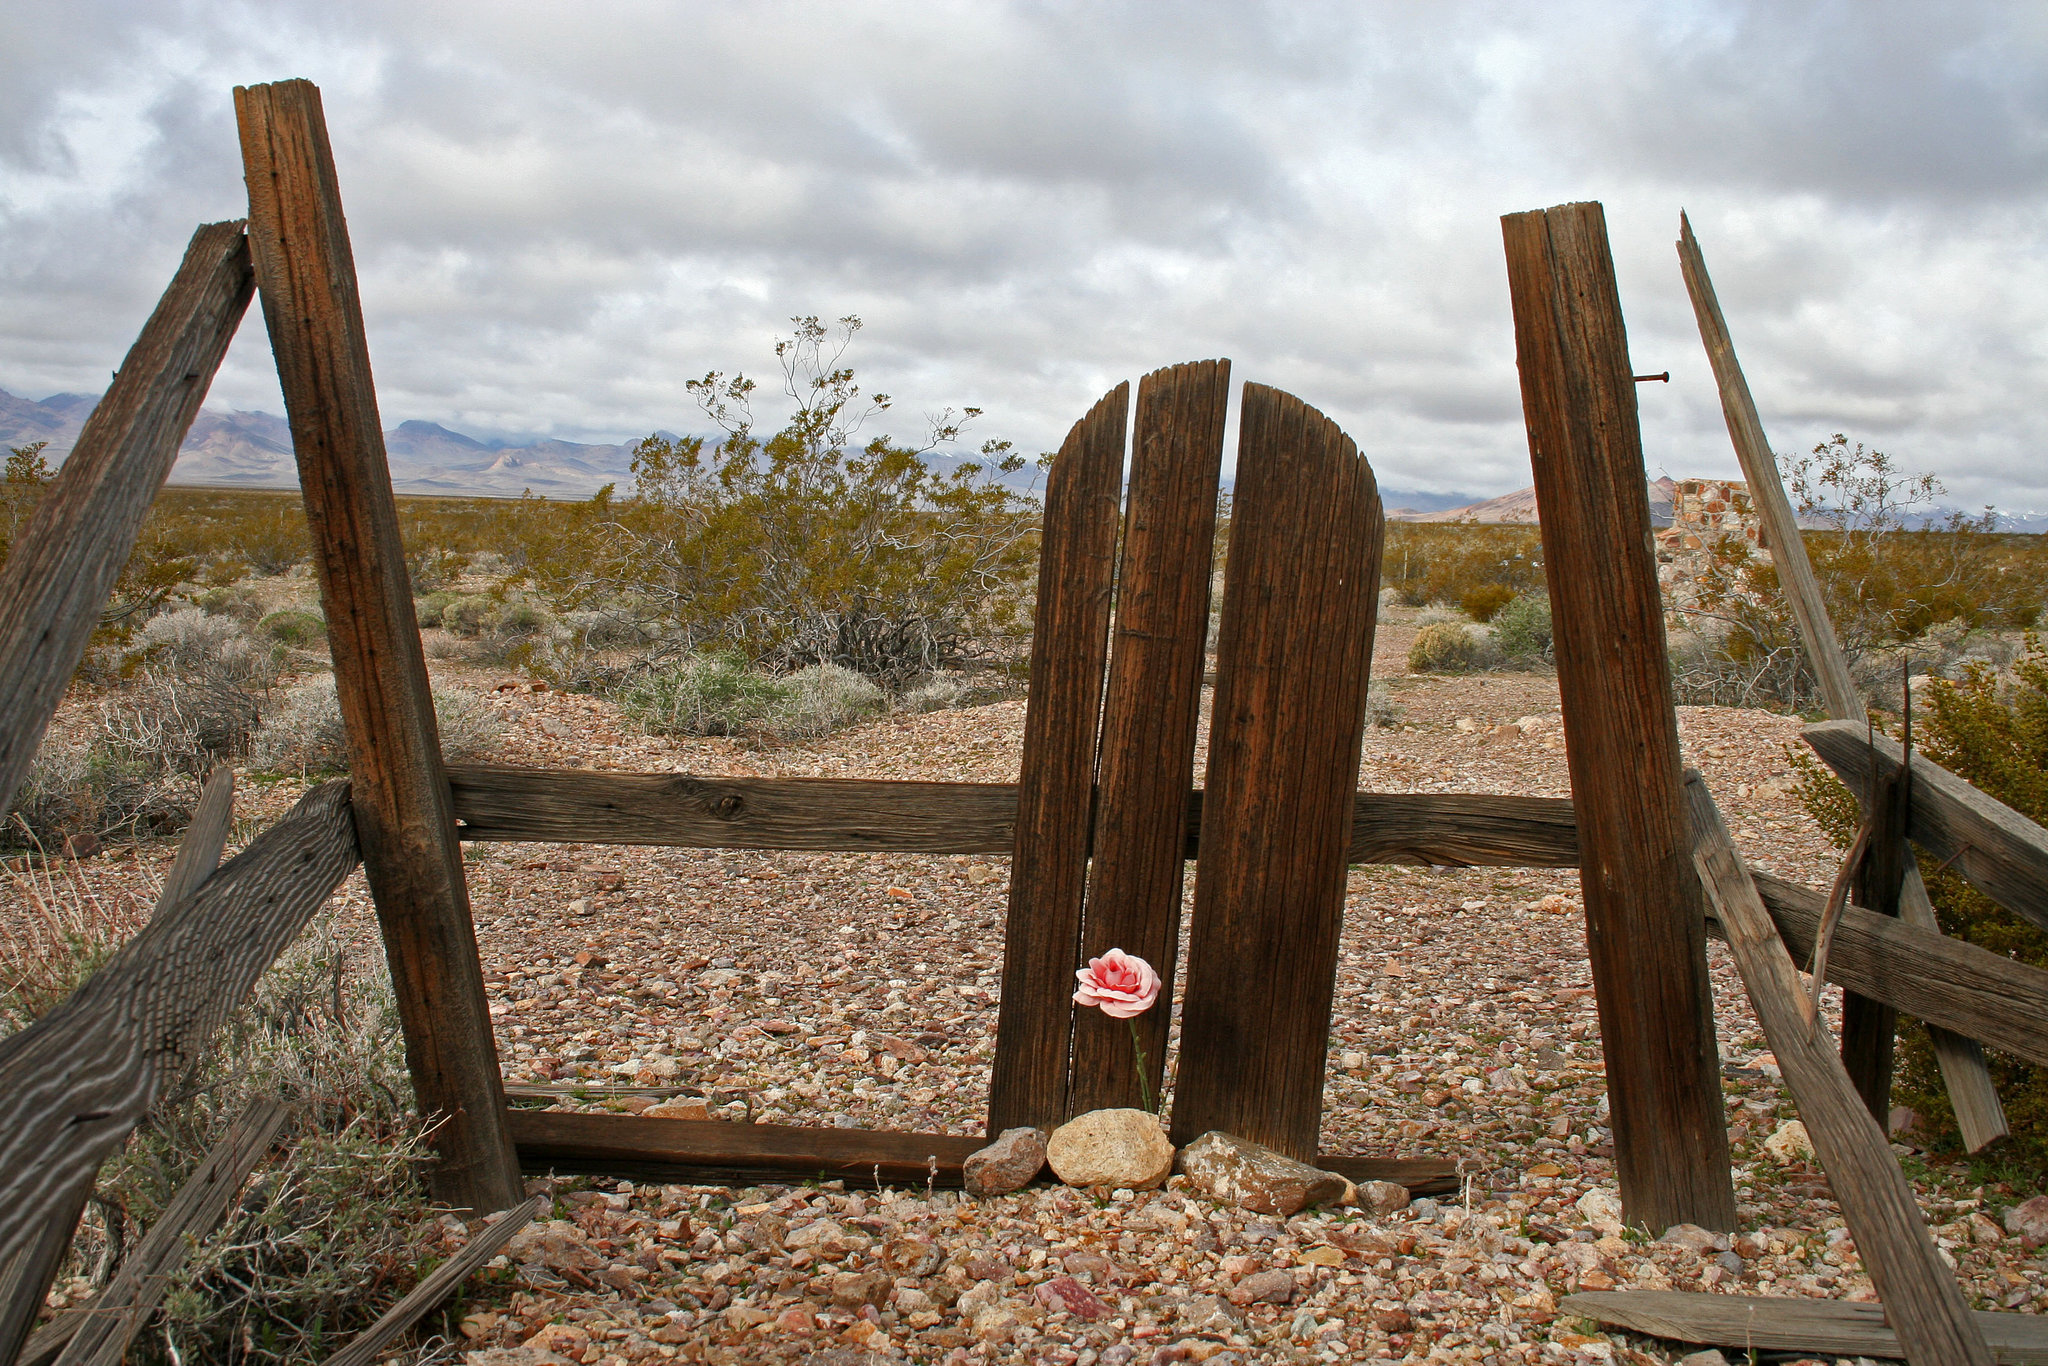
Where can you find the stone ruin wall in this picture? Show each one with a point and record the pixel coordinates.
(1703, 513)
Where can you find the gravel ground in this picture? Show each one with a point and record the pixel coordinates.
(858, 990)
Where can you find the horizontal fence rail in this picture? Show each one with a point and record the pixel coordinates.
(575, 806)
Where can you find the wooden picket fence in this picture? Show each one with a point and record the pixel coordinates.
(1100, 827)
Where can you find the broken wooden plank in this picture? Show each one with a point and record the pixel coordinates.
(25, 1285)
(577, 806)
(1053, 802)
(1786, 1324)
(67, 559)
(442, 1282)
(1980, 1115)
(109, 1324)
(1921, 1298)
(1644, 935)
(2002, 853)
(82, 1076)
(1767, 489)
(305, 270)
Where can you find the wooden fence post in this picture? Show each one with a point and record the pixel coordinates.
(1645, 926)
(305, 273)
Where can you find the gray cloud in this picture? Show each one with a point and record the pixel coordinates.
(562, 212)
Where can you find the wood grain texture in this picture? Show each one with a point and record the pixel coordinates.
(1146, 761)
(698, 1149)
(1869, 1026)
(1300, 598)
(577, 806)
(67, 559)
(305, 272)
(1980, 1115)
(1921, 1299)
(1643, 912)
(82, 1076)
(2002, 853)
(1053, 802)
(1767, 489)
(1788, 1324)
(443, 1281)
(109, 1324)
(25, 1283)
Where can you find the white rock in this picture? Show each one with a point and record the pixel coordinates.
(1790, 1144)
(1110, 1148)
(1600, 1206)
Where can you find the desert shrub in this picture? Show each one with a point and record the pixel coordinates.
(1445, 647)
(1381, 710)
(1521, 629)
(293, 627)
(430, 608)
(304, 732)
(936, 692)
(467, 615)
(1992, 731)
(1442, 562)
(230, 600)
(195, 645)
(802, 547)
(1482, 601)
(718, 694)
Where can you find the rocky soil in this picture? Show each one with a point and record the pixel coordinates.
(856, 990)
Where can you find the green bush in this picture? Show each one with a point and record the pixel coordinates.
(293, 627)
(304, 732)
(1521, 630)
(1442, 562)
(1444, 647)
(718, 694)
(1994, 733)
(429, 608)
(1483, 600)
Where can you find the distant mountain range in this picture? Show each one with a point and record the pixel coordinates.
(1519, 507)
(254, 450)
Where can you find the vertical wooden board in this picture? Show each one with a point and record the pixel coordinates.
(1151, 713)
(67, 559)
(1870, 1027)
(1300, 601)
(305, 272)
(1644, 920)
(1055, 791)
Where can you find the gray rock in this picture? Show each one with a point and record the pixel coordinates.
(1693, 1238)
(1251, 1176)
(2029, 1220)
(1123, 1148)
(1006, 1165)
(1210, 1314)
(1382, 1197)
(1710, 1357)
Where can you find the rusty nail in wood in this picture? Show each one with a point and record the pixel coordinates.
(1666, 377)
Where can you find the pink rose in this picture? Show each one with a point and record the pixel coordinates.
(1119, 984)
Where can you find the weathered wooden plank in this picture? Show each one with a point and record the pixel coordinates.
(861, 815)
(1927, 975)
(68, 557)
(81, 1077)
(1767, 489)
(2001, 852)
(714, 1150)
(439, 1285)
(1784, 1324)
(306, 274)
(1147, 756)
(109, 1324)
(1643, 913)
(1921, 1298)
(1300, 599)
(1053, 801)
(25, 1284)
(1980, 1115)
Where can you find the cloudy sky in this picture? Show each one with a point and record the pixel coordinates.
(561, 212)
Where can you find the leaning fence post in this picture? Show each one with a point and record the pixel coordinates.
(305, 273)
(1645, 927)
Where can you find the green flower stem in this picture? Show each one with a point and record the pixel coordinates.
(1144, 1080)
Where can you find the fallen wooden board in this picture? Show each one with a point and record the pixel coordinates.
(711, 1150)
(1921, 1298)
(438, 1286)
(867, 815)
(1830, 1327)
